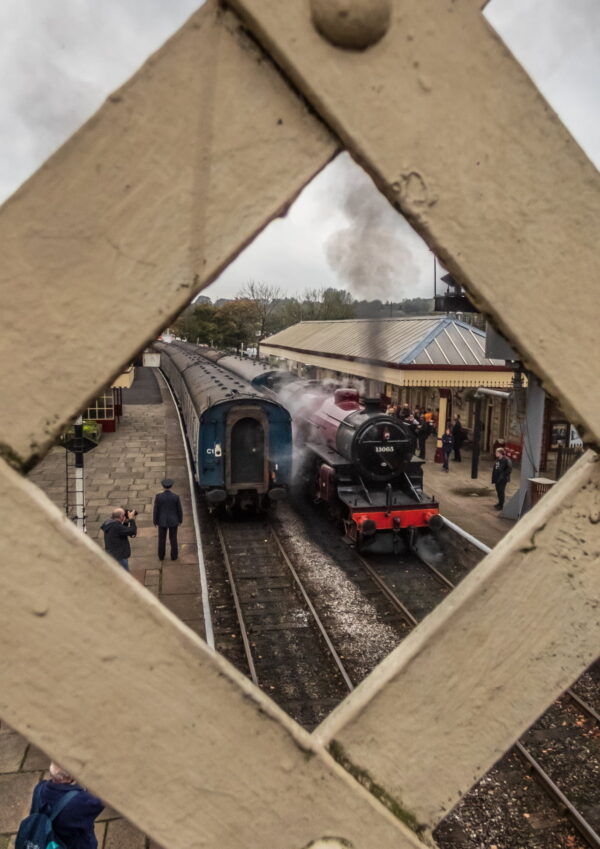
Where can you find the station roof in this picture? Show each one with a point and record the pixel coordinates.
(432, 340)
(420, 344)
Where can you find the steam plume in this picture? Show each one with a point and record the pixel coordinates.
(370, 254)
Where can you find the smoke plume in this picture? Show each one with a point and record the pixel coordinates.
(370, 254)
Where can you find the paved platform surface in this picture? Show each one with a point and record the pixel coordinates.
(144, 390)
(125, 469)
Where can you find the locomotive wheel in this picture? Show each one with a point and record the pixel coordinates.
(336, 515)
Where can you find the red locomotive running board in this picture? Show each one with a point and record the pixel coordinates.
(408, 518)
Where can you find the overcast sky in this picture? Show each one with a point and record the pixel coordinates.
(61, 58)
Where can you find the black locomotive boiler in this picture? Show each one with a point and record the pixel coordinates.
(361, 462)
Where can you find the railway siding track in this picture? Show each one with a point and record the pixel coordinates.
(288, 652)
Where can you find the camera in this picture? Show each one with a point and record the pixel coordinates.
(129, 510)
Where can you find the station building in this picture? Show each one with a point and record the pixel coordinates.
(432, 361)
(107, 408)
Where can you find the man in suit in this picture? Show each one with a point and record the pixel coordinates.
(501, 476)
(167, 515)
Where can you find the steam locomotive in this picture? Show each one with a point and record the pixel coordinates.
(361, 463)
(353, 457)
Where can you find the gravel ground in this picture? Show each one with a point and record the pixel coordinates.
(588, 686)
(507, 810)
(566, 742)
(362, 636)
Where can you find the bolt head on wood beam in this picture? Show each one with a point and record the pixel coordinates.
(354, 24)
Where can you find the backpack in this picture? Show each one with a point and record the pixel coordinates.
(36, 832)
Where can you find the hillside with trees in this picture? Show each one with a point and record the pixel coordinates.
(259, 310)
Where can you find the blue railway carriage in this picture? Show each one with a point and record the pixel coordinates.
(241, 441)
(259, 374)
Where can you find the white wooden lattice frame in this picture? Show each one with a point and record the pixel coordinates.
(143, 206)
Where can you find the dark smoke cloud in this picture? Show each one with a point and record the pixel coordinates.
(371, 255)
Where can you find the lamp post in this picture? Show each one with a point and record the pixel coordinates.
(78, 444)
(79, 491)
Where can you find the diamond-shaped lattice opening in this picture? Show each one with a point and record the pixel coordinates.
(343, 255)
(370, 266)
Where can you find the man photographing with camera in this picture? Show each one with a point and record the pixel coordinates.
(117, 531)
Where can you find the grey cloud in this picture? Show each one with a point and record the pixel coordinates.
(371, 255)
(58, 63)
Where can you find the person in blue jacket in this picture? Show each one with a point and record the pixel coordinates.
(74, 825)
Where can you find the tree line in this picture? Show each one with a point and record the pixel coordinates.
(259, 310)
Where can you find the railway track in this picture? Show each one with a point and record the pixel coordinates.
(287, 649)
(292, 659)
(533, 756)
(413, 589)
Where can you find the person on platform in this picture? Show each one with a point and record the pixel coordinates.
(447, 446)
(458, 435)
(168, 515)
(422, 434)
(74, 822)
(117, 531)
(501, 476)
(498, 443)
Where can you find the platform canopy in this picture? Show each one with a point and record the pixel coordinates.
(421, 351)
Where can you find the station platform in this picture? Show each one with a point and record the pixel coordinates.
(126, 469)
(466, 502)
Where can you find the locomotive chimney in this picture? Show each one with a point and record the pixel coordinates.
(346, 398)
(371, 403)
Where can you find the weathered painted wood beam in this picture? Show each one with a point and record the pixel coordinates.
(448, 702)
(143, 206)
(459, 139)
(104, 678)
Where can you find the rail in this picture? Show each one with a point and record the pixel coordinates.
(580, 823)
(584, 828)
(280, 550)
(237, 604)
(469, 537)
(391, 596)
(309, 604)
